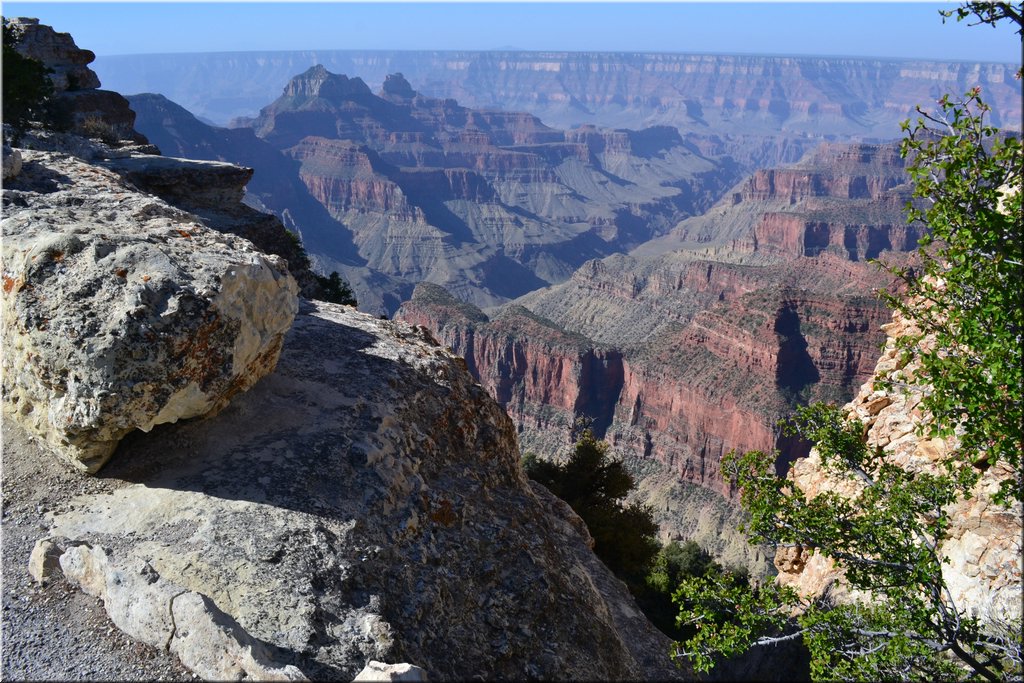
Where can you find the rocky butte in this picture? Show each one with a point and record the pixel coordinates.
(396, 188)
(352, 497)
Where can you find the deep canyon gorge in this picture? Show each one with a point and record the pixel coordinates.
(672, 250)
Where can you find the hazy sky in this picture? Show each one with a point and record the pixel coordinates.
(883, 29)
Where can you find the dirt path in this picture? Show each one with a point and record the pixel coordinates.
(55, 632)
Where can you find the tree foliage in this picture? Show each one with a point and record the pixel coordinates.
(594, 486)
(886, 540)
(675, 563)
(336, 290)
(965, 298)
(990, 13)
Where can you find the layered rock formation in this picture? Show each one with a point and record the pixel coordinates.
(726, 93)
(677, 396)
(983, 545)
(397, 188)
(844, 199)
(90, 111)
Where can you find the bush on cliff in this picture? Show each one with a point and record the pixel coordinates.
(594, 486)
(677, 562)
(331, 288)
(887, 538)
(336, 290)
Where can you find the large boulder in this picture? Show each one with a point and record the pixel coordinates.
(122, 312)
(11, 162)
(362, 503)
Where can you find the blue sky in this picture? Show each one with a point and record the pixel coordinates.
(883, 29)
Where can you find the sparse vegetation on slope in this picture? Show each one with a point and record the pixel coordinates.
(594, 486)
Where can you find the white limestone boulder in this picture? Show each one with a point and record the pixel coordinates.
(362, 503)
(11, 162)
(122, 312)
(379, 671)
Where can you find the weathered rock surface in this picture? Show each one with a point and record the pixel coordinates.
(984, 544)
(363, 502)
(11, 163)
(164, 615)
(122, 312)
(379, 671)
(57, 51)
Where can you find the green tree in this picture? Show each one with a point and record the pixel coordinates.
(594, 486)
(336, 290)
(332, 288)
(26, 87)
(886, 539)
(965, 297)
(676, 561)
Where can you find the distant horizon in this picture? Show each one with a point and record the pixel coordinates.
(779, 55)
(865, 30)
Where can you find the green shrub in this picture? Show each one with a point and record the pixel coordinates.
(336, 290)
(96, 128)
(594, 486)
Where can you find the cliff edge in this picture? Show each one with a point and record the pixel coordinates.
(352, 497)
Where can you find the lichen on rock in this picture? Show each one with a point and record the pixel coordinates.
(122, 312)
(365, 502)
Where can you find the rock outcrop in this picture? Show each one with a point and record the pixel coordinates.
(363, 502)
(91, 111)
(11, 162)
(983, 545)
(123, 312)
(68, 62)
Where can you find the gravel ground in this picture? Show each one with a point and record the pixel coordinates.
(55, 632)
